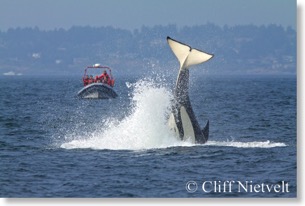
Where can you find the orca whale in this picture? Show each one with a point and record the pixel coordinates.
(182, 120)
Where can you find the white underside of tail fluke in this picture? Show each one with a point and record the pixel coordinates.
(186, 55)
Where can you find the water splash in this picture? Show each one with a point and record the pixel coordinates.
(145, 127)
(254, 144)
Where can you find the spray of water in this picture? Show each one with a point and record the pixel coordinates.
(145, 127)
(255, 144)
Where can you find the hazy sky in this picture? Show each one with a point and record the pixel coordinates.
(131, 14)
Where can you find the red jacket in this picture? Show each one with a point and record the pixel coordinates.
(105, 78)
(86, 81)
(90, 81)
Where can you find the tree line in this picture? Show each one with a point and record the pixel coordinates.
(244, 48)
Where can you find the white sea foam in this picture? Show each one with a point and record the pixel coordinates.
(254, 144)
(145, 127)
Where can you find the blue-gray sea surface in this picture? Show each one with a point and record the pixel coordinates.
(56, 145)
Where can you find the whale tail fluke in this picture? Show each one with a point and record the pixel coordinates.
(186, 55)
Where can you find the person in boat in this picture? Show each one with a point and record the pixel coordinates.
(105, 78)
(91, 80)
(97, 79)
(86, 80)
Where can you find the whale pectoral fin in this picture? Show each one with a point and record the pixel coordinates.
(205, 131)
(172, 125)
(188, 129)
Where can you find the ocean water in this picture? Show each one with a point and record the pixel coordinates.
(56, 145)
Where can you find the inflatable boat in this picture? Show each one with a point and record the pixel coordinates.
(98, 83)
